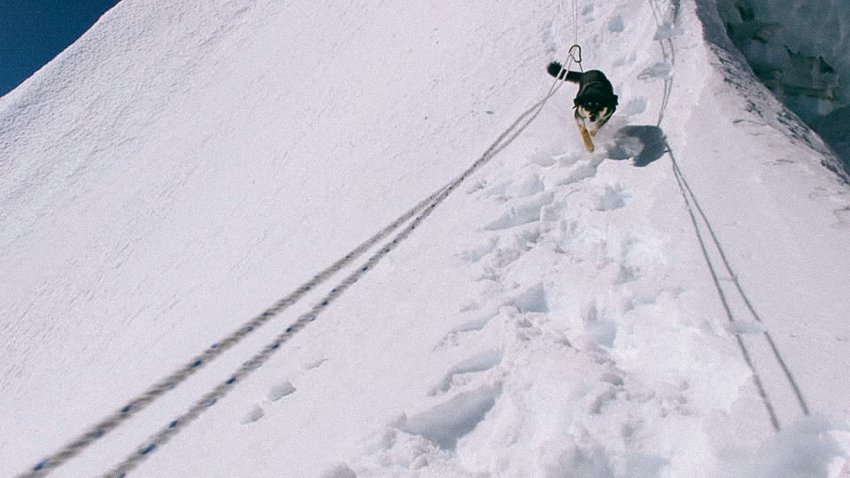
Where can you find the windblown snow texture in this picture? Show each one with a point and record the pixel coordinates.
(186, 164)
(799, 51)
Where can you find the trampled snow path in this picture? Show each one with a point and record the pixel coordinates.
(424, 439)
(556, 319)
(516, 434)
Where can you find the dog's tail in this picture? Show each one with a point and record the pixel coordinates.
(557, 70)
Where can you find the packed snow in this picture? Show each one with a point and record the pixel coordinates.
(673, 304)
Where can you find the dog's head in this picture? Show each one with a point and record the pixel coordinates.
(593, 109)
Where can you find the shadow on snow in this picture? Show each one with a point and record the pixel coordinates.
(643, 143)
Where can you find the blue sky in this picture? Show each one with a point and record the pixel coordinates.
(32, 32)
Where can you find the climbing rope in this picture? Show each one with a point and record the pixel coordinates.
(669, 54)
(215, 350)
(419, 213)
(733, 277)
(575, 22)
(575, 49)
(208, 400)
(730, 316)
(694, 208)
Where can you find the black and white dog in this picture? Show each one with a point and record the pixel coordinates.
(595, 101)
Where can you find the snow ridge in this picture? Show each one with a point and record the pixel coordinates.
(555, 316)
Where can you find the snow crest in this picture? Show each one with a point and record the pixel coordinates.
(554, 316)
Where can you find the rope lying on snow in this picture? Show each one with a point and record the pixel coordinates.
(199, 361)
(795, 388)
(692, 204)
(165, 434)
(680, 180)
(418, 214)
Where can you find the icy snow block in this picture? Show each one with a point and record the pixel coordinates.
(447, 423)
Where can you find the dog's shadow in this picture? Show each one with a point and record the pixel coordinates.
(642, 142)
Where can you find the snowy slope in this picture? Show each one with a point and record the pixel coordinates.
(798, 48)
(799, 51)
(181, 167)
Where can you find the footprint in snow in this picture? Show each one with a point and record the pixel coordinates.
(529, 185)
(475, 254)
(452, 338)
(585, 171)
(567, 159)
(339, 470)
(460, 372)
(252, 416)
(616, 24)
(448, 422)
(280, 390)
(313, 364)
(522, 212)
(612, 198)
(275, 393)
(532, 300)
(597, 325)
(658, 70)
